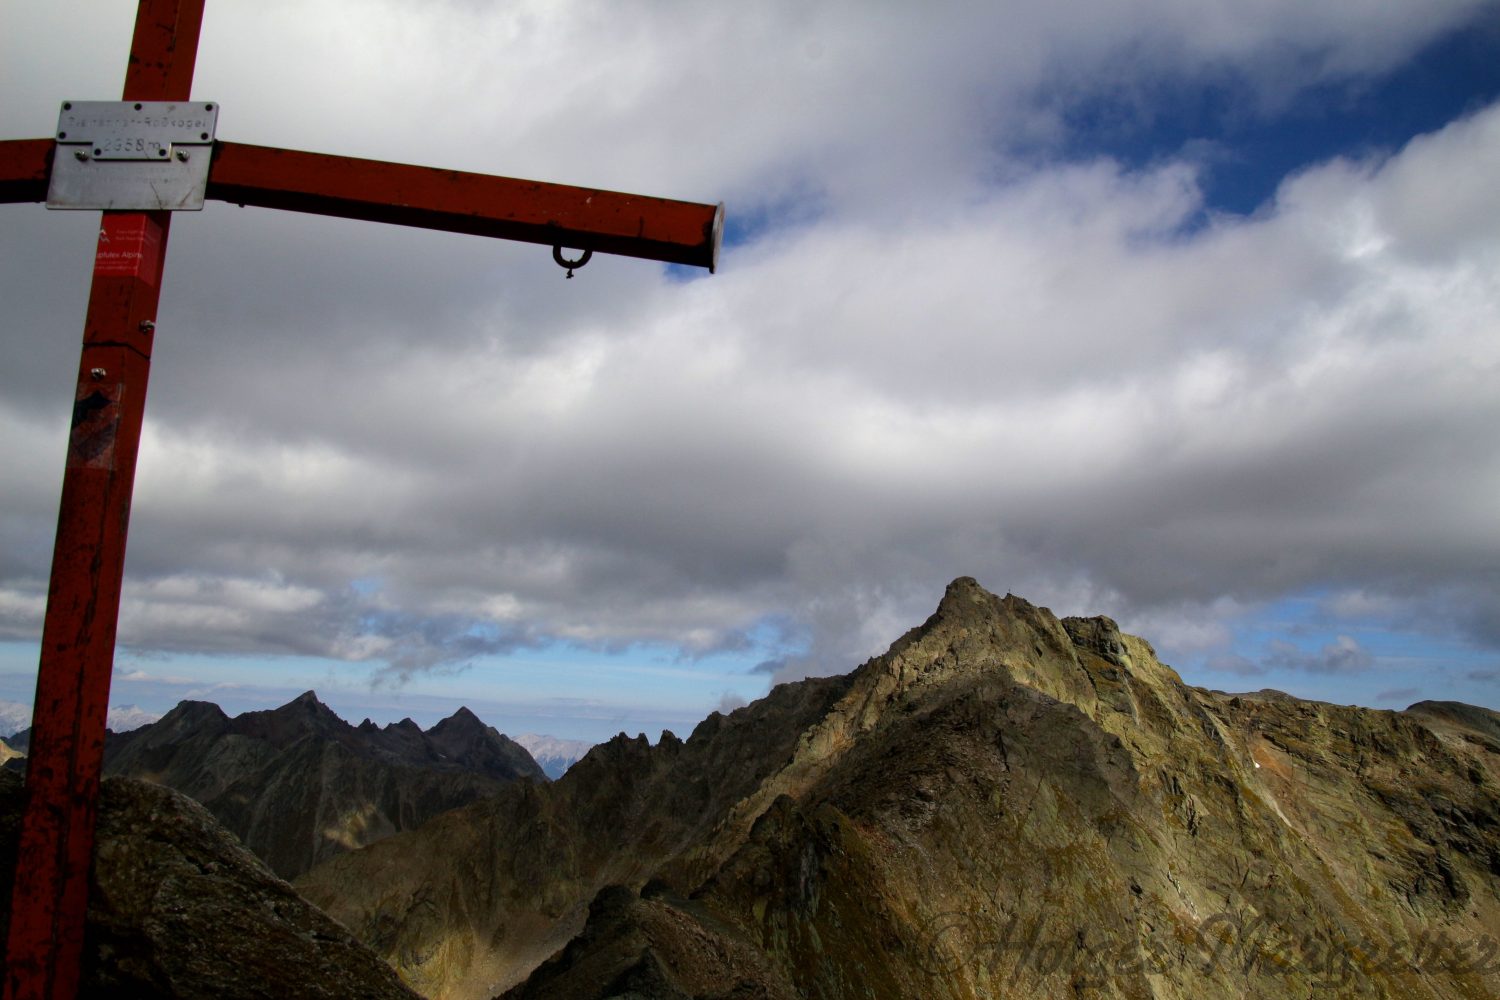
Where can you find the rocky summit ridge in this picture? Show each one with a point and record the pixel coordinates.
(1004, 803)
(298, 785)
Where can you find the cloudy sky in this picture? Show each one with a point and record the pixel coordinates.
(1187, 313)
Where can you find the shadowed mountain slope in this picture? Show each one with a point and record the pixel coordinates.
(178, 910)
(1005, 803)
(299, 785)
(480, 895)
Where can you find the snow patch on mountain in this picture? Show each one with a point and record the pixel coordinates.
(554, 755)
(15, 717)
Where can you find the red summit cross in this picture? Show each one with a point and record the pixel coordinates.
(138, 160)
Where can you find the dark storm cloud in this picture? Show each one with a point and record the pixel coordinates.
(416, 449)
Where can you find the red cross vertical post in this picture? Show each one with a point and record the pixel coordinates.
(50, 891)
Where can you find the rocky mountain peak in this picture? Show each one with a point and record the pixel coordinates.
(298, 719)
(465, 739)
(193, 712)
(962, 596)
(187, 719)
(977, 641)
(975, 634)
(461, 721)
(1086, 662)
(619, 752)
(307, 705)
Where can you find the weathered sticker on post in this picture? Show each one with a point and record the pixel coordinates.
(129, 247)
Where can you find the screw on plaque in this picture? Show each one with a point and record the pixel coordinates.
(571, 265)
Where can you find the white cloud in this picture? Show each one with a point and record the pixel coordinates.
(1342, 656)
(23, 609)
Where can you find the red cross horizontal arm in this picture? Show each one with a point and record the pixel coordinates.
(630, 225)
(25, 169)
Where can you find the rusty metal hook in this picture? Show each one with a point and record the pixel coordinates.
(570, 264)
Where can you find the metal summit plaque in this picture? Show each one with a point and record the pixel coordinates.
(138, 156)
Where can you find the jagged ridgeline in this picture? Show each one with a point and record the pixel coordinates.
(299, 785)
(1004, 804)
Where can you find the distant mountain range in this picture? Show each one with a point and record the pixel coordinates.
(15, 719)
(180, 909)
(299, 785)
(554, 755)
(200, 750)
